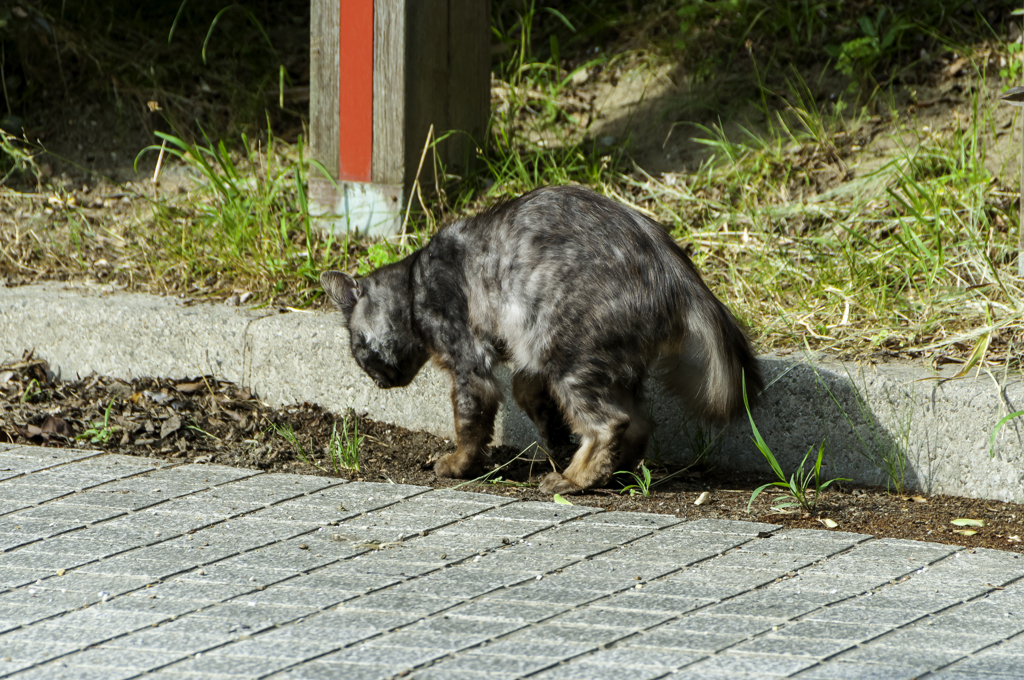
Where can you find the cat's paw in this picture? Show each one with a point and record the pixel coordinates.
(555, 483)
(455, 466)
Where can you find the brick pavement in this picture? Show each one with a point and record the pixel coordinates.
(119, 567)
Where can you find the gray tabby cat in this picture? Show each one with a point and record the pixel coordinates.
(582, 296)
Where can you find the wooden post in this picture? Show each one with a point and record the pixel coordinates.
(382, 73)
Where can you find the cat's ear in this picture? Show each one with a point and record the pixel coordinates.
(342, 289)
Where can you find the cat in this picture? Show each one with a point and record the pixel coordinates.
(583, 296)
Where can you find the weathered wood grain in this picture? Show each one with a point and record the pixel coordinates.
(323, 82)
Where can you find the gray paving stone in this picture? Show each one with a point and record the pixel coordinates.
(728, 663)
(984, 665)
(637, 520)
(670, 638)
(318, 670)
(79, 638)
(300, 597)
(277, 647)
(504, 528)
(819, 535)
(878, 654)
(381, 655)
(622, 657)
(745, 579)
(58, 670)
(1002, 626)
(639, 600)
(728, 526)
(34, 596)
(177, 640)
(432, 640)
(553, 513)
(113, 657)
(966, 675)
(521, 645)
(838, 670)
(852, 631)
(369, 622)
(505, 611)
(772, 561)
(362, 497)
(24, 653)
(706, 622)
(45, 562)
(964, 641)
(838, 584)
(582, 532)
(562, 547)
(542, 592)
(516, 665)
(484, 630)
(244, 610)
(771, 605)
(520, 558)
(225, 572)
(574, 635)
(225, 666)
(844, 612)
(409, 603)
(574, 671)
(690, 589)
(595, 617)
(794, 646)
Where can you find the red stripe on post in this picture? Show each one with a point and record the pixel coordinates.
(355, 91)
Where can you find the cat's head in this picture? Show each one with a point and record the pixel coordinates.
(378, 313)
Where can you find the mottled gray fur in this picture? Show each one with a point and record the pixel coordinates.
(582, 296)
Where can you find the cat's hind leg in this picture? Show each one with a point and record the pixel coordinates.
(613, 427)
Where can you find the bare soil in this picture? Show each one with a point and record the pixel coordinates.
(208, 421)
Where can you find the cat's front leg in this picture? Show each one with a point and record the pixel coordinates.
(475, 400)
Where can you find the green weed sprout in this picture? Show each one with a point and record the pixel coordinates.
(804, 485)
(101, 433)
(643, 482)
(343, 449)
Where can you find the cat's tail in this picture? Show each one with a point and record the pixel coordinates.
(711, 362)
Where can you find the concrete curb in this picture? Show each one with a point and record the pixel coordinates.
(864, 414)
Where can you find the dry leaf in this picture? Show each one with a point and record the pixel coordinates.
(170, 426)
(703, 498)
(829, 523)
(964, 532)
(919, 499)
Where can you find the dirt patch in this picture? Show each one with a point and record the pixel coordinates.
(206, 420)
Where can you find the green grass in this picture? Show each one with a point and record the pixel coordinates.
(912, 253)
(343, 448)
